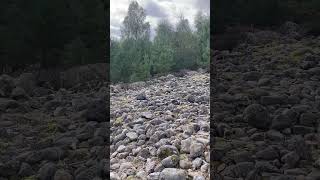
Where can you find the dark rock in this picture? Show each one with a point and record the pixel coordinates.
(272, 100)
(297, 144)
(274, 135)
(87, 173)
(291, 159)
(25, 170)
(257, 116)
(9, 168)
(8, 104)
(97, 111)
(267, 154)
(6, 85)
(47, 171)
(191, 98)
(26, 81)
(266, 166)
(62, 175)
(240, 169)
(302, 130)
(309, 119)
(252, 76)
(141, 96)
(52, 153)
(19, 93)
(281, 121)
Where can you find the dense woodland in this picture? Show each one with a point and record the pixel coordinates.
(52, 33)
(136, 57)
(265, 13)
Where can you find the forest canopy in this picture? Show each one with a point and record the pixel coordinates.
(52, 33)
(265, 13)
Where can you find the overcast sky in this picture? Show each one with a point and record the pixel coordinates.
(155, 11)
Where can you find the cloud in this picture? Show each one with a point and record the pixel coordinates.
(115, 32)
(157, 10)
(203, 5)
(154, 9)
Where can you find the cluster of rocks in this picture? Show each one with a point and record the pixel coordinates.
(50, 134)
(266, 110)
(160, 128)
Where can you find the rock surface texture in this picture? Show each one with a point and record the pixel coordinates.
(50, 134)
(266, 110)
(160, 128)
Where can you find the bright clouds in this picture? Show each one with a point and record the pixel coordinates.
(156, 10)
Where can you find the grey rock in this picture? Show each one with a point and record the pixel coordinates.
(170, 161)
(150, 166)
(196, 164)
(173, 174)
(185, 164)
(198, 178)
(132, 136)
(154, 176)
(196, 150)
(185, 145)
(166, 150)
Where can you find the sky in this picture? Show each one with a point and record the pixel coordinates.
(157, 10)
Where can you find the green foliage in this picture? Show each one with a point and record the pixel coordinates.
(134, 57)
(162, 55)
(202, 23)
(184, 46)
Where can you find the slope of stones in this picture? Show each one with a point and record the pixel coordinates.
(52, 135)
(160, 128)
(266, 110)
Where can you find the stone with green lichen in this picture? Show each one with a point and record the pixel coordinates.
(118, 121)
(166, 150)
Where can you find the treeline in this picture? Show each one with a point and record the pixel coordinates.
(265, 13)
(52, 33)
(135, 57)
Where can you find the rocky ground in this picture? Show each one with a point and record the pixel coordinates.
(266, 109)
(49, 134)
(160, 128)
